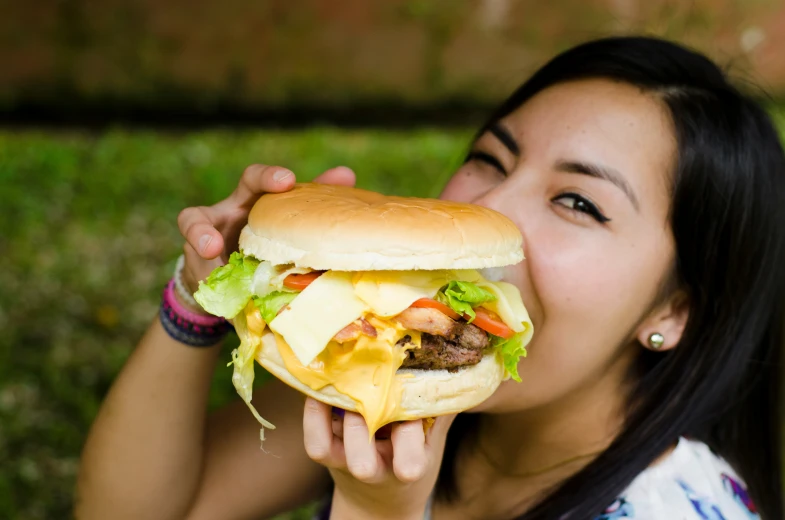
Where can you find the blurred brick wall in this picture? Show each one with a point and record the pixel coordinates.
(343, 52)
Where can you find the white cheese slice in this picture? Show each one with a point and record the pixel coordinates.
(322, 309)
(509, 306)
(388, 293)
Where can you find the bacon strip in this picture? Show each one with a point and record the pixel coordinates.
(427, 320)
(368, 329)
(354, 330)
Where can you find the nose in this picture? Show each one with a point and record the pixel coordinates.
(498, 199)
(511, 203)
(522, 211)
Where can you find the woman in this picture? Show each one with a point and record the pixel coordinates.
(650, 196)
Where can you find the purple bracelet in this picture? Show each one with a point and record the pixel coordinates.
(196, 330)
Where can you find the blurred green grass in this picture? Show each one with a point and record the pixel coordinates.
(88, 239)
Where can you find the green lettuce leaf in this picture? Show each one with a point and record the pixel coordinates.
(462, 296)
(228, 288)
(270, 304)
(512, 350)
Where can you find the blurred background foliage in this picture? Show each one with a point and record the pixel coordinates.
(116, 115)
(353, 60)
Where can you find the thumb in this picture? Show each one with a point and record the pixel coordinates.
(341, 176)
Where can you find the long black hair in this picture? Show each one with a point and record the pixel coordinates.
(720, 384)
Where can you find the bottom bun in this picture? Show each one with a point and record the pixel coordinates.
(426, 393)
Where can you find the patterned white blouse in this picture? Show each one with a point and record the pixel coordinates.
(691, 483)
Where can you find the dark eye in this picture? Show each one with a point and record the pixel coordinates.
(486, 158)
(581, 204)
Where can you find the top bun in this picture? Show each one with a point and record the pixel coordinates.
(347, 229)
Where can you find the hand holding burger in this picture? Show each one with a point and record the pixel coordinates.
(385, 478)
(211, 232)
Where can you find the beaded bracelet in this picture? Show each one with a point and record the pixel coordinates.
(179, 287)
(196, 330)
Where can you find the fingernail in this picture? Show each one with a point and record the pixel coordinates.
(338, 411)
(281, 175)
(204, 242)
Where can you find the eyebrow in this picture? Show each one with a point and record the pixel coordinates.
(593, 170)
(600, 172)
(506, 138)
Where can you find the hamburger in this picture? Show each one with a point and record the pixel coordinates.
(373, 303)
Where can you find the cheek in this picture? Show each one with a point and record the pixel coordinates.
(583, 314)
(585, 298)
(595, 287)
(571, 280)
(594, 272)
(465, 186)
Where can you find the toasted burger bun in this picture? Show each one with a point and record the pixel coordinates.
(347, 229)
(426, 393)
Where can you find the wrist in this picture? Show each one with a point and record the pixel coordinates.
(344, 508)
(183, 290)
(190, 305)
(190, 328)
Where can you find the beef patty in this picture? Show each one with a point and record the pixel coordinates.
(464, 347)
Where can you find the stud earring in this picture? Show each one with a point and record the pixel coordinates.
(656, 341)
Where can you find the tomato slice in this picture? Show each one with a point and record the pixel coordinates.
(485, 319)
(298, 282)
(490, 322)
(428, 303)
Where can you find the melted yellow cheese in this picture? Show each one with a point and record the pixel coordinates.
(322, 309)
(254, 320)
(364, 371)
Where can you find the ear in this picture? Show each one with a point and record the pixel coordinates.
(669, 319)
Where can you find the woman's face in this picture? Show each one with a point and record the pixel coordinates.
(583, 169)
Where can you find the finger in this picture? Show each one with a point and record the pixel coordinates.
(383, 444)
(384, 448)
(258, 179)
(337, 424)
(362, 459)
(340, 176)
(196, 268)
(409, 459)
(438, 432)
(197, 226)
(320, 443)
